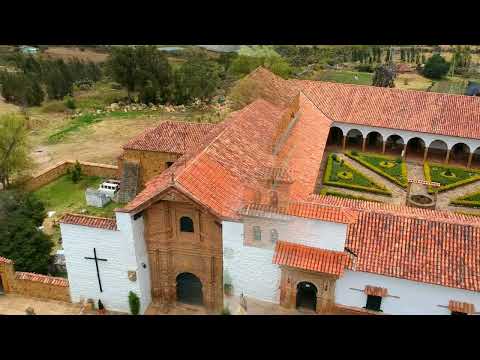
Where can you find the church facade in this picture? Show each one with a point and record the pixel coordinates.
(235, 204)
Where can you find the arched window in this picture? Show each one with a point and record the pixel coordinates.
(257, 233)
(274, 235)
(186, 224)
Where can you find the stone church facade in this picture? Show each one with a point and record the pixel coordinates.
(235, 204)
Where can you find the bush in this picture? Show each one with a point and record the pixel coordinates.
(54, 107)
(134, 302)
(70, 103)
(365, 68)
(76, 172)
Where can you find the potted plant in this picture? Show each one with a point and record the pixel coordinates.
(101, 309)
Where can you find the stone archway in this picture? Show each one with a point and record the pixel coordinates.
(476, 158)
(374, 142)
(437, 151)
(354, 139)
(189, 289)
(415, 149)
(394, 145)
(306, 296)
(335, 137)
(459, 154)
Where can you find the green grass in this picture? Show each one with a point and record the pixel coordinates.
(450, 86)
(354, 179)
(344, 195)
(437, 173)
(63, 196)
(346, 77)
(397, 173)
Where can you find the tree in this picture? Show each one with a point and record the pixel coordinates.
(123, 67)
(436, 67)
(243, 65)
(402, 54)
(20, 239)
(134, 302)
(197, 78)
(243, 93)
(384, 76)
(14, 157)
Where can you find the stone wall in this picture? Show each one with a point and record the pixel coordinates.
(50, 174)
(33, 285)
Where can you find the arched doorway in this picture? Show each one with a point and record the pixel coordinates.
(189, 289)
(415, 149)
(374, 142)
(476, 158)
(335, 137)
(437, 151)
(394, 145)
(307, 296)
(354, 139)
(459, 154)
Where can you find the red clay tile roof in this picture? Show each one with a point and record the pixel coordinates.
(5, 261)
(375, 291)
(50, 280)
(419, 111)
(305, 210)
(310, 258)
(170, 136)
(429, 251)
(89, 221)
(462, 307)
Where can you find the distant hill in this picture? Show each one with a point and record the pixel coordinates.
(221, 48)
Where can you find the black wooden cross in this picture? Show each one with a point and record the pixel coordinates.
(96, 264)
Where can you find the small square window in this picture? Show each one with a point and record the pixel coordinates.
(374, 303)
(257, 233)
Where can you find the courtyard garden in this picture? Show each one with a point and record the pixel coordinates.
(340, 174)
(393, 169)
(449, 177)
(470, 200)
(344, 195)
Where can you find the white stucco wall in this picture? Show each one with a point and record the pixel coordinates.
(414, 298)
(250, 268)
(124, 250)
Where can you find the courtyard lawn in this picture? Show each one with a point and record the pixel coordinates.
(344, 195)
(62, 196)
(346, 77)
(393, 169)
(449, 177)
(469, 200)
(338, 173)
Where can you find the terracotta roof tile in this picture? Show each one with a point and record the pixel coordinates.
(171, 136)
(50, 280)
(89, 221)
(305, 210)
(310, 258)
(461, 307)
(375, 291)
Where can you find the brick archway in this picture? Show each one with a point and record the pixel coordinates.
(437, 151)
(374, 142)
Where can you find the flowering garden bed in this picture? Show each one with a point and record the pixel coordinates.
(449, 177)
(470, 200)
(338, 173)
(344, 195)
(393, 169)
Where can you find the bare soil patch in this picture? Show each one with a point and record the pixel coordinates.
(74, 53)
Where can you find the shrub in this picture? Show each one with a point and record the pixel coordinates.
(365, 68)
(53, 107)
(70, 103)
(134, 302)
(436, 67)
(76, 172)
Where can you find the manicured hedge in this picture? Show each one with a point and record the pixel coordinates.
(398, 177)
(359, 181)
(462, 175)
(345, 195)
(470, 200)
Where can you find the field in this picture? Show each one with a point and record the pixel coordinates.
(346, 77)
(450, 86)
(58, 52)
(412, 82)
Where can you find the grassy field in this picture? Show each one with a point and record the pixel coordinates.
(59, 52)
(450, 86)
(62, 196)
(346, 77)
(412, 82)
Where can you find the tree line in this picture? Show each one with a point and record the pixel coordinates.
(34, 79)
